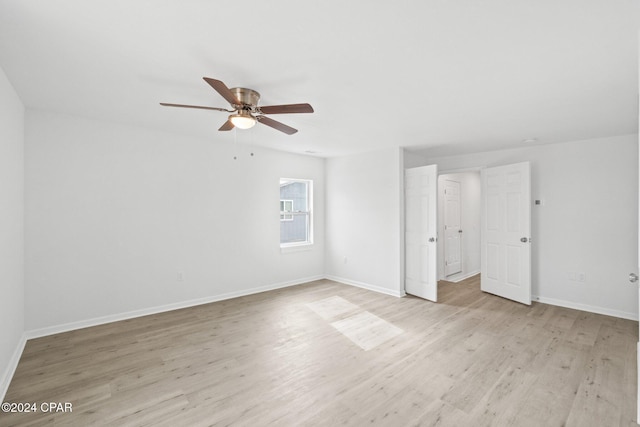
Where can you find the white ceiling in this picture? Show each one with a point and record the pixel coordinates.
(442, 76)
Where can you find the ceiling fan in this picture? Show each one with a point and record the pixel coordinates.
(245, 109)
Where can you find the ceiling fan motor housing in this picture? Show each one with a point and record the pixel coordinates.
(247, 97)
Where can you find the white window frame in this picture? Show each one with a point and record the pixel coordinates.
(286, 215)
(309, 213)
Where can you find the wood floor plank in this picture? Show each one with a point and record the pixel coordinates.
(598, 396)
(441, 414)
(472, 359)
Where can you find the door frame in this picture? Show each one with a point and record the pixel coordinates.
(471, 169)
(474, 169)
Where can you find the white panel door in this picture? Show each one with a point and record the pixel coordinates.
(638, 346)
(452, 228)
(506, 228)
(632, 279)
(421, 187)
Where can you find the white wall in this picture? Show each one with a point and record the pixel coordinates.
(114, 213)
(364, 220)
(11, 230)
(413, 160)
(470, 203)
(589, 222)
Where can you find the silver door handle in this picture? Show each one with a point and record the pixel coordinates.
(459, 231)
(633, 278)
(432, 239)
(524, 240)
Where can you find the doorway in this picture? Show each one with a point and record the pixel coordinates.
(505, 229)
(459, 213)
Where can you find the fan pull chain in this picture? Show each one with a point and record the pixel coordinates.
(237, 146)
(235, 143)
(251, 138)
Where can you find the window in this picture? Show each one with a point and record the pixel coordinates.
(295, 212)
(286, 207)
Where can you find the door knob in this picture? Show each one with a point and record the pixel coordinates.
(432, 239)
(633, 278)
(524, 240)
(459, 231)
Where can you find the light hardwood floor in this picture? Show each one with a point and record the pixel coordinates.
(473, 359)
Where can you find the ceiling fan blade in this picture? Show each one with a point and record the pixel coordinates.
(195, 106)
(276, 125)
(287, 109)
(227, 126)
(223, 90)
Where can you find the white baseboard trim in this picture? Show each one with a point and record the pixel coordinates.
(456, 278)
(586, 307)
(66, 327)
(11, 368)
(367, 286)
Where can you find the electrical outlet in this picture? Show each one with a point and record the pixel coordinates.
(345, 260)
(180, 276)
(581, 277)
(572, 276)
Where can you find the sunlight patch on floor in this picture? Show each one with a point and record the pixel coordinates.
(367, 330)
(364, 329)
(331, 307)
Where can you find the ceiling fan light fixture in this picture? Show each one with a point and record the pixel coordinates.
(244, 104)
(242, 121)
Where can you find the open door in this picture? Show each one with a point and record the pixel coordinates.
(421, 195)
(506, 228)
(633, 278)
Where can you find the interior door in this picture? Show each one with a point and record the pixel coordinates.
(452, 228)
(421, 187)
(634, 279)
(506, 228)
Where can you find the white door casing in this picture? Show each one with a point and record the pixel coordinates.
(506, 232)
(421, 190)
(452, 228)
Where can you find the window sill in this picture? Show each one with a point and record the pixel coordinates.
(300, 247)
